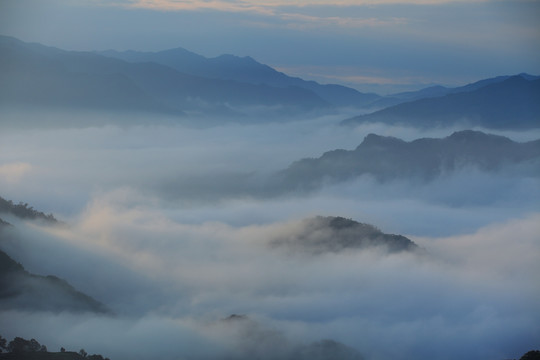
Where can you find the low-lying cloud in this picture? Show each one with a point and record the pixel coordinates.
(469, 296)
(206, 173)
(160, 224)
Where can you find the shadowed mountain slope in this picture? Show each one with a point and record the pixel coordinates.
(22, 290)
(438, 91)
(44, 77)
(513, 103)
(38, 76)
(246, 70)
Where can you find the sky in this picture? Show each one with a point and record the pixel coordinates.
(381, 46)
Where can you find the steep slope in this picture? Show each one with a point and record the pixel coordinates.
(246, 70)
(510, 104)
(387, 158)
(22, 290)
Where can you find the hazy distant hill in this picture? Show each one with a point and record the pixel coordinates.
(387, 158)
(40, 76)
(335, 234)
(22, 290)
(259, 342)
(513, 103)
(243, 69)
(399, 98)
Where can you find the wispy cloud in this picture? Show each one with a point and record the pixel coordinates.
(302, 21)
(467, 289)
(275, 8)
(267, 6)
(186, 5)
(13, 172)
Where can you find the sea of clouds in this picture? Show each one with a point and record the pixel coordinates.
(158, 225)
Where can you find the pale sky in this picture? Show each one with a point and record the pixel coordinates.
(372, 45)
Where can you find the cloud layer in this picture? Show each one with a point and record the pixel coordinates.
(171, 283)
(158, 227)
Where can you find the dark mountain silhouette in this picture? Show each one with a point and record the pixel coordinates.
(335, 234)
(40, 76)
(245, 70)
(45, 355)
(22, 349)
(387, 158)
(22, 290)
(513, 103)
(378, 157)
(23, 211)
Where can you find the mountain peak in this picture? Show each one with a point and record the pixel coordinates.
(331, 234)
(528, 76)
(379, 140)
(467, 135)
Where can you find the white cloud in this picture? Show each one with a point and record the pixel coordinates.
(478, 290)
(169, 266)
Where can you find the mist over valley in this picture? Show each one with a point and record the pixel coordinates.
(177, 204)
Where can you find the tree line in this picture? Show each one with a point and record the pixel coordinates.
(20, 347)
(24, 211)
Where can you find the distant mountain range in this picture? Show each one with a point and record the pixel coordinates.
(173, 82)
(388, 158)
(244, 70)
(507, 102)
(178, 82)
(437, 91)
